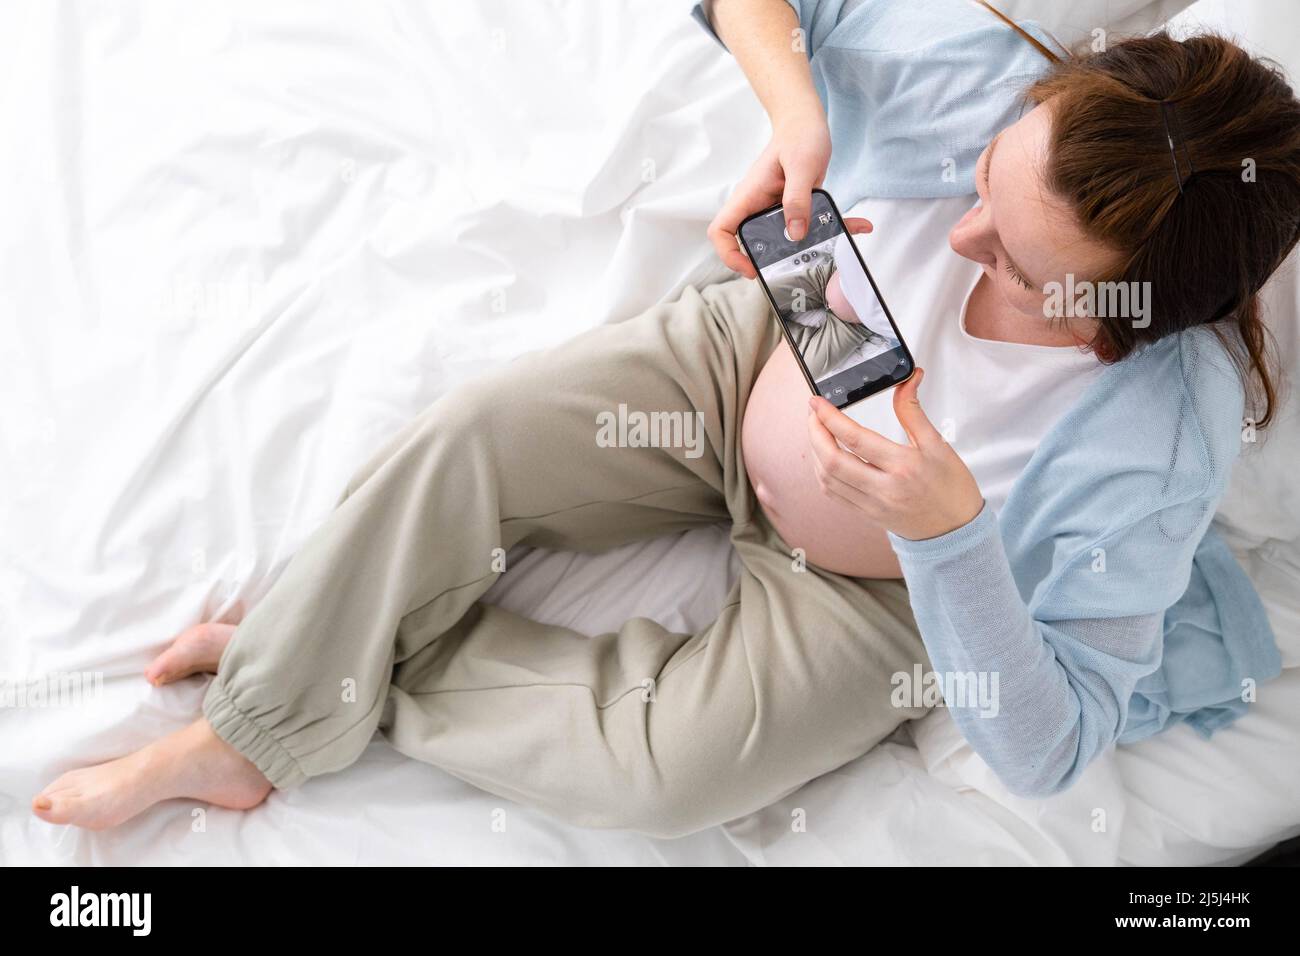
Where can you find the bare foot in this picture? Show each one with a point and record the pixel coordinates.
(193, 762)
(196, 650)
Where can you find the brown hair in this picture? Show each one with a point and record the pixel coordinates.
(1206, 248)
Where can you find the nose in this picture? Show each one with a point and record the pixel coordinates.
(973, 236)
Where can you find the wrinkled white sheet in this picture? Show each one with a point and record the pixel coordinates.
(244, 242)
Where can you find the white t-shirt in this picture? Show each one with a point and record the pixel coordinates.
(993, 401)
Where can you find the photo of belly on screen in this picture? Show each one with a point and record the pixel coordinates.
(828, 306)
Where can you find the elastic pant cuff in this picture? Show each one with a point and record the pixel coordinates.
(241, 732)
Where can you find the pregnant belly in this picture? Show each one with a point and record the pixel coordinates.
(779, 460)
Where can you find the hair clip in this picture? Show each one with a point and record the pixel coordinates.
(1167, 110)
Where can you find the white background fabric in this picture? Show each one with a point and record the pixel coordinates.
(244, 242)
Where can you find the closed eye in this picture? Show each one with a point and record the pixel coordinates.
(1011, 270)
(1017, 277)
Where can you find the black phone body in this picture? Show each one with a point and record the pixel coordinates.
(838, 326)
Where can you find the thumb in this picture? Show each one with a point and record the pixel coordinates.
(796, 199)
(907, 407)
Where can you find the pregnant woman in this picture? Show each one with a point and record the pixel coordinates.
(1063, 549)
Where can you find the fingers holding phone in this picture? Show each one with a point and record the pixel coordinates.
(787, 171)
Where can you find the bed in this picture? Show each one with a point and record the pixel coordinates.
(243, 243)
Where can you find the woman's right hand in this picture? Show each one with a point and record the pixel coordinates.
(787, 170)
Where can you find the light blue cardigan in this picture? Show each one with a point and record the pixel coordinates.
(1100, 597)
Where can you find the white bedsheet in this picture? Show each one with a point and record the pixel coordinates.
(244, 242)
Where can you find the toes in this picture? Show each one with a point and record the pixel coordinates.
(53, 808)
(167, 666)
(195, 650)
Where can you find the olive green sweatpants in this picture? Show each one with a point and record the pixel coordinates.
(376, 624)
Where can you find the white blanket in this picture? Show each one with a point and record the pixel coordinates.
(244, 242)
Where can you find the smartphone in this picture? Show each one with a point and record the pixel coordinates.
(830, 310)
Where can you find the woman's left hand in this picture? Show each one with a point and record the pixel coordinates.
(919, 490)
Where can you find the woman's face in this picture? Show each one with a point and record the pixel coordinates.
(1023, 234)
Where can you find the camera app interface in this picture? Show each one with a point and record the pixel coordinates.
(827, 304)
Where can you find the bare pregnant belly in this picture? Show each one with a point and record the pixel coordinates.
(778, 457)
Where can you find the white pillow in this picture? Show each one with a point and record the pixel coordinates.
(1263, 498)
(1074, 22)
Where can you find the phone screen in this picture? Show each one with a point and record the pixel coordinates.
(834, 316)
